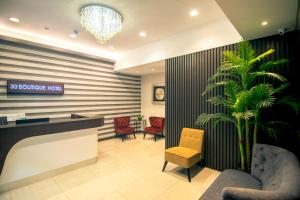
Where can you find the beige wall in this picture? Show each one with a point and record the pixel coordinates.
(91, 86)
(147, 107)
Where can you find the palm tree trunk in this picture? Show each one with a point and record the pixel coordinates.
(255, 133)
(241, 143)
(255, 128)
(248, 145)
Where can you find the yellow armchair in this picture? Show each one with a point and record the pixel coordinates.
(189, 151)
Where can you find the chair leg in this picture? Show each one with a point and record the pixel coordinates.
(144, 135)
(134, 135)
(155, 137)
(189, 174)
(164, 167)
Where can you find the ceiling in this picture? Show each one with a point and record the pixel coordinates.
(145, 69)
(159, 18)
(247, 16)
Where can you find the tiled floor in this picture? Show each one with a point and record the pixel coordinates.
(125, 170)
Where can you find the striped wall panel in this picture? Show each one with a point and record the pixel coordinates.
(186, 78)
(91, 85)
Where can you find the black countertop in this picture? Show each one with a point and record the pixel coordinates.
(51, 121)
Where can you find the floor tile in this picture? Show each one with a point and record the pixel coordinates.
(114, 196)
(46, 189)
(129, 170)
(23, 193)
(5, 196)
(93, 190)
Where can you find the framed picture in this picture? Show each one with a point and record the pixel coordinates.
(158, 94)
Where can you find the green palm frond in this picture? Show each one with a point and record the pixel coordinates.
(218, 121)
(261, 96)
(242, 101)
(223, 76)
(217, 117)
(261, 56)
(265, 103)
(269, 74)
(291, 102)
(250, 80)
(218, 100)
(229, 67)
(281, 88)
(273, 128)
(271, 64)
(213, 86)
(246, 52)
(244, 115)
(231, 58)
(231, 90)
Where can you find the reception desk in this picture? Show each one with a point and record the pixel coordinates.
(31, 152)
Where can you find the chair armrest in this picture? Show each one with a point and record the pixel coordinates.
(235, 193)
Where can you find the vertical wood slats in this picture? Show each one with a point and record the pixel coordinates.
(186, 78)
(91, 85)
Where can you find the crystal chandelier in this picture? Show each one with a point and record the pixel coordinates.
(101, 21)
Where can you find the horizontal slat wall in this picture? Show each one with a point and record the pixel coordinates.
(186, 78)
(91, 85)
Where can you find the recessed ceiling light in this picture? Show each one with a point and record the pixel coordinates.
(111, 47)
(194, 13)
(13, 19)
(264, 23)
(143, 34)
(153, 69)
(72, 35)
(137, 71)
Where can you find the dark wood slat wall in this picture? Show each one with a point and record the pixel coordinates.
(186, 78)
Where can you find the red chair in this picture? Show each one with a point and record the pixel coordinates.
(156, 128)
(122, 127)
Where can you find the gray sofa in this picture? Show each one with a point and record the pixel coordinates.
(275, 175)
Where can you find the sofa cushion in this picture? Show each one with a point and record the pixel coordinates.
(230, 178)
(126, 130)
(278, 170)
(152, 130)
(182, 156)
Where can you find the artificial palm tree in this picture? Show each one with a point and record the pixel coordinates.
(248, 89)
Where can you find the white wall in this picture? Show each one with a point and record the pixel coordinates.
(215, 34)
(147, 107)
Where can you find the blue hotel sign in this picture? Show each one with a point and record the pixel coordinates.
(34, 87)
